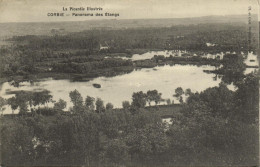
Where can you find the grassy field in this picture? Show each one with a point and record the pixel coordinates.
(166, 111)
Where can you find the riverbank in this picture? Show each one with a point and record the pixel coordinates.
(107, 72)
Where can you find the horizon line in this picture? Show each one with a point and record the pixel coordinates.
(117, 19)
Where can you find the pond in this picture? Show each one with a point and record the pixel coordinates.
(116, 89)
(151, 54)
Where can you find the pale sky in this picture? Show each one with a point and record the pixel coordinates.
(37, 10)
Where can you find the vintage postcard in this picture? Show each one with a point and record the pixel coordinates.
(129, 83)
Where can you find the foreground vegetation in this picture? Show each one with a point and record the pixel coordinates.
(210, 128)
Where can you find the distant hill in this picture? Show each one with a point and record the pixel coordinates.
(46, 28)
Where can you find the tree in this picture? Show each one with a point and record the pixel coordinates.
(126, 105)
(40, 98)
(233, 68)
(60, 105)
(17, 138)
(12, 102)
(181, 99)
(100, 105)
(153, 95)
(109, 106)
(178, 94)
(168, 101)
(116, 152)
(20, 100)
(147, 143)
(219, 99)
(188, 92)
(213, 118)
(77, 100)
(139, 99)
(89, 103)
(3, 102)
(247, 98)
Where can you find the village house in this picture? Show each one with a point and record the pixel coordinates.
(103, 47)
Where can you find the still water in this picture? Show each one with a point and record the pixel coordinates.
(151, 54)
(116, 89)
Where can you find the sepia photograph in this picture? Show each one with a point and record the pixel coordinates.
(129, 83)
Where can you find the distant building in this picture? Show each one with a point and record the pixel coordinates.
(105, 47)
(251, 60)
(210, 44)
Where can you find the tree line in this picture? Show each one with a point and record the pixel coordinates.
(192, 37)
(31, 102)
